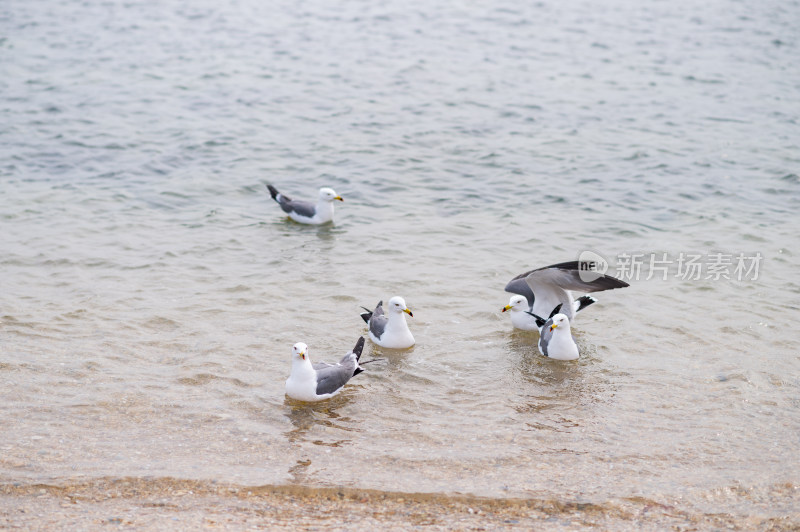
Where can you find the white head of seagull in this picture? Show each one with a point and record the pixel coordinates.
(560, 321)
(519, 307)
(328, 194)
(398, 305)
(299, 351)
(516, 304)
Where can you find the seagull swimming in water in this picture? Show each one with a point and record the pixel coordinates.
(546, 288)
(389, 330)
(320, 381)
(555, 338)
(306, 212)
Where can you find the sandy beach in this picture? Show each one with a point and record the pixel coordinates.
(169, 504)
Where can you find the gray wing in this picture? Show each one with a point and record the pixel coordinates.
(545, 334)
(321, 365)
(303, 208)
(576, 275)
(549, 286)
(334, 377)
(517, 285)
(377, 323)
(520, 285)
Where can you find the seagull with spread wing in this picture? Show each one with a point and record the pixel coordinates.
(541, 290)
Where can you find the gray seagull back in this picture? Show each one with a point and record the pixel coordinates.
(303, 208)
(378, 321)
(331, 377)
(545, 336)
(334, 377)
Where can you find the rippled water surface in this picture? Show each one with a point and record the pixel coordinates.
(151, 291)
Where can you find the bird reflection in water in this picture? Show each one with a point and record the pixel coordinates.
(306, 417)
(308, 421)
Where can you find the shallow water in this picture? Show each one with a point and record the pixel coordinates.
(151, 290)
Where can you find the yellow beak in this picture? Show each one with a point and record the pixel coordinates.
(507, 307)
(303, 356)
(553, 326)
(339, 198)
(408, 312)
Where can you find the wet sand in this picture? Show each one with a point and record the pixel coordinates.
(170, 504)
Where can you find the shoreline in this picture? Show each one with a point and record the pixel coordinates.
(175, 504)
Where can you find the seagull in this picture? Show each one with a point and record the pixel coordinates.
(320, 381)
(547, 287)
(306, 212)
(555, 339)
(389, 331)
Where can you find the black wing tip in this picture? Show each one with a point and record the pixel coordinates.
(585, 301)
(359, 347)
(606, 282)
(366, 316)
(273, 192)
(556, 310)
